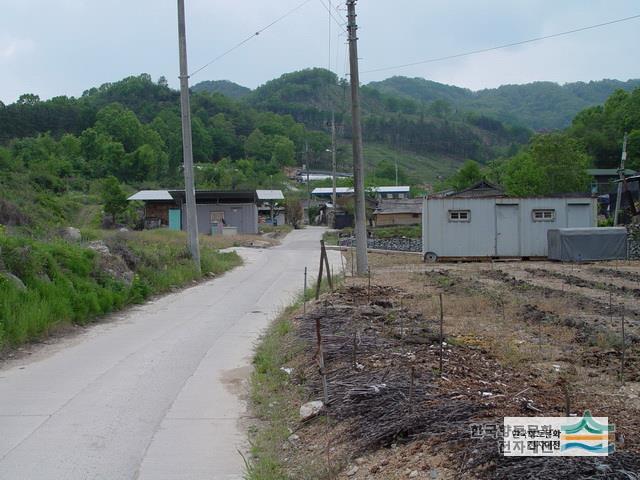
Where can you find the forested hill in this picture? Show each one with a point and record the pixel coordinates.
(396, 121)
(225, 87)
(538, 105)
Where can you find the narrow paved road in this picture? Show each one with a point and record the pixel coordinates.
(156, 393)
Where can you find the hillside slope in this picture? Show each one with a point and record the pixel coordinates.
(225, 87)
(538, 105)
(399, 122)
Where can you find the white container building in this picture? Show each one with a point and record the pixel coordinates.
(496, 226)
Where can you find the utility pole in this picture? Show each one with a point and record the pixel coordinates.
(333, 159)
(396, 172)
(306, 167)
(622, 180)
(362, 262)
(187, 147)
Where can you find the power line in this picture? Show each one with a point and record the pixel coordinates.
(252, 36)
(514, 44)
(341, 25)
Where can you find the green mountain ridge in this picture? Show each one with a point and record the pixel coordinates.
(538, 105)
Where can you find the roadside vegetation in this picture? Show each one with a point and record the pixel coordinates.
(48, 285)
(273, 398)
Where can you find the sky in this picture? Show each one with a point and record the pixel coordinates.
(64, 47)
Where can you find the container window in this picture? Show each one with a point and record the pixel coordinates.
(459, 215)
(543, 215)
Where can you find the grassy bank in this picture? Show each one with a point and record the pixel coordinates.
(274, 398)
(47, 285)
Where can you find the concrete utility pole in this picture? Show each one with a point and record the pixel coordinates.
(622, 180)
(187, 147)
(396, 172)
(362, 262)
(333, 158)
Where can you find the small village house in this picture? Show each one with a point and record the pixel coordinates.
(406, 211)
(218, 212)
(379, 193)
(271, 207)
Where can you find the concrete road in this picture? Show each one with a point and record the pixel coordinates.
(157, 392)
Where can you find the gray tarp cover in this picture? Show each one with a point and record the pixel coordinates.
(579, 244)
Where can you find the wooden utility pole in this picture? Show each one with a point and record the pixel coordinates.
(622, 180)
(187, 147)
(362, 262)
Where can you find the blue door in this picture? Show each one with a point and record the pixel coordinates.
(175, 219)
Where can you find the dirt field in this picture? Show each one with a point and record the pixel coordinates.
(521, 339)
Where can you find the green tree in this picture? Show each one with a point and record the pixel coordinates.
(113, 197)
(283, 151)
(553, 163)
(469, 174)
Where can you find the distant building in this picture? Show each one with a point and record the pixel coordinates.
(218, 212)
(603, 180)
(271, 207)
(378, 193)
(303, 176)
(398, 212)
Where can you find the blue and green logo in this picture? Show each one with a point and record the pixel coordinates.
(587, 435)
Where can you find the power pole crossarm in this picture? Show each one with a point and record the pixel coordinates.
(189, 187)
(362, 261)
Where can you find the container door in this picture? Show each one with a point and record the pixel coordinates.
(175, 219)
(579, 216)
(507, 233)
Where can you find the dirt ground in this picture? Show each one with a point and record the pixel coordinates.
(521, 339)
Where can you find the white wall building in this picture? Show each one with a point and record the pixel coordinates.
(499, 226)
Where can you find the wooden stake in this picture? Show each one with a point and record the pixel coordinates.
(369, 291)
(321, 363)
(624, 347)
(319, 284)
(304, 292)
(326, 263)
(441, 336)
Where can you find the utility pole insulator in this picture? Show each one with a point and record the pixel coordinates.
(187, 139)
(362, 261)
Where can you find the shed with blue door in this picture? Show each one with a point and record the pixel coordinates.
(218, 211)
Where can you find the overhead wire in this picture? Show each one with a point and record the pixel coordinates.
(251, 37)
(507, 45)
(341, 25)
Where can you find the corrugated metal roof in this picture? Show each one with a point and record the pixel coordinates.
(400, 206)
(329, 190)
(270, 194)
(603, 172)
(146, 195)
(401, 189)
